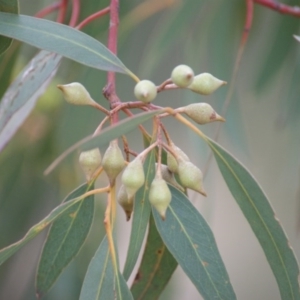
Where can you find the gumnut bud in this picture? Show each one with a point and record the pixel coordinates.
(172, 161)
(133, 176)
(145, 91)
(125, 202)
(76, 93)
(182, 76)
(205, 84)
(169, 177)
(113, 161)
(190, 176)
(201, 113)
(160, 195)
(90, 161)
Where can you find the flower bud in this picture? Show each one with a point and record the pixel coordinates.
(182, 76)
(201, 113)
(76, 93)
(205, 84)
(190, 176)
(90, 161)
(172, 161)
(133, 176)
(125, 202)
(169, 177)
(145, 91)
(113, 161)
(160, 196)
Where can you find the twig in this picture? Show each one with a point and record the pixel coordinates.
(279, 7)
(93, 17)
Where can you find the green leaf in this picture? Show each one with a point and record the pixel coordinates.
(20, 98)
(105, 136)
(99, 282)
(9, 6)
(61, 39)
(191, 242)
(7, 252)
(141, 214)
(263, 221)
(66, 236)
(156, 269)
(99, 279)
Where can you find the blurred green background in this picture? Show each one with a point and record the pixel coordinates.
(262, 131)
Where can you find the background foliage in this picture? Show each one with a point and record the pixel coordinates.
(261, 130)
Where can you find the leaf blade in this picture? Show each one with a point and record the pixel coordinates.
(156, 268)
(61, 39)
(21, 96)
(65, 238)
(191, 242)
(262, 219)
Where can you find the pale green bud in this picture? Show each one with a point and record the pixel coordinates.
(76, 93)
(113, 161)
(160, 196)
(201, 113)
(133, 176)
(169, 177)
(190, 176)
(145, 91)
(90, 161)
(172, 161)
(125, 202)
(182, 76)
(205, 84)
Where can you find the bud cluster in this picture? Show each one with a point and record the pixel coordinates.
(179, 171)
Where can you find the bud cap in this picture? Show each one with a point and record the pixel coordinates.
(201, 113)
(172, 161)
(190, 176)
(125, 202)
(133, 176)
(76, 93)
(90, 161)
(182, 76)
(160, 196)
(145, 91)
(113, 161)
(205, 84)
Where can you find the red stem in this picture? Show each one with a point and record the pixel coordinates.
(248, 22)
(47, 10)
(93, 17)
(62, 12)
(75, 13)
(281, 8)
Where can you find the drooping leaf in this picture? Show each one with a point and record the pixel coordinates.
(99, 279)
(20, 98)
(191, 242)
(263, 221)
(61, 39)
(66, 236)
(99, 282)
(8, 251)
(141, 213)
(9, 6)
(105, 136)
(156, 268)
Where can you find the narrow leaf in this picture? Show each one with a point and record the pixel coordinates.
(20, 98)
(141, 213)
(9, 6)
(66, 236)
(263, 221)
(61, 39)
(99, 282)
(105, 136)
(7, 252)
(191, 242)
(156, 269)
